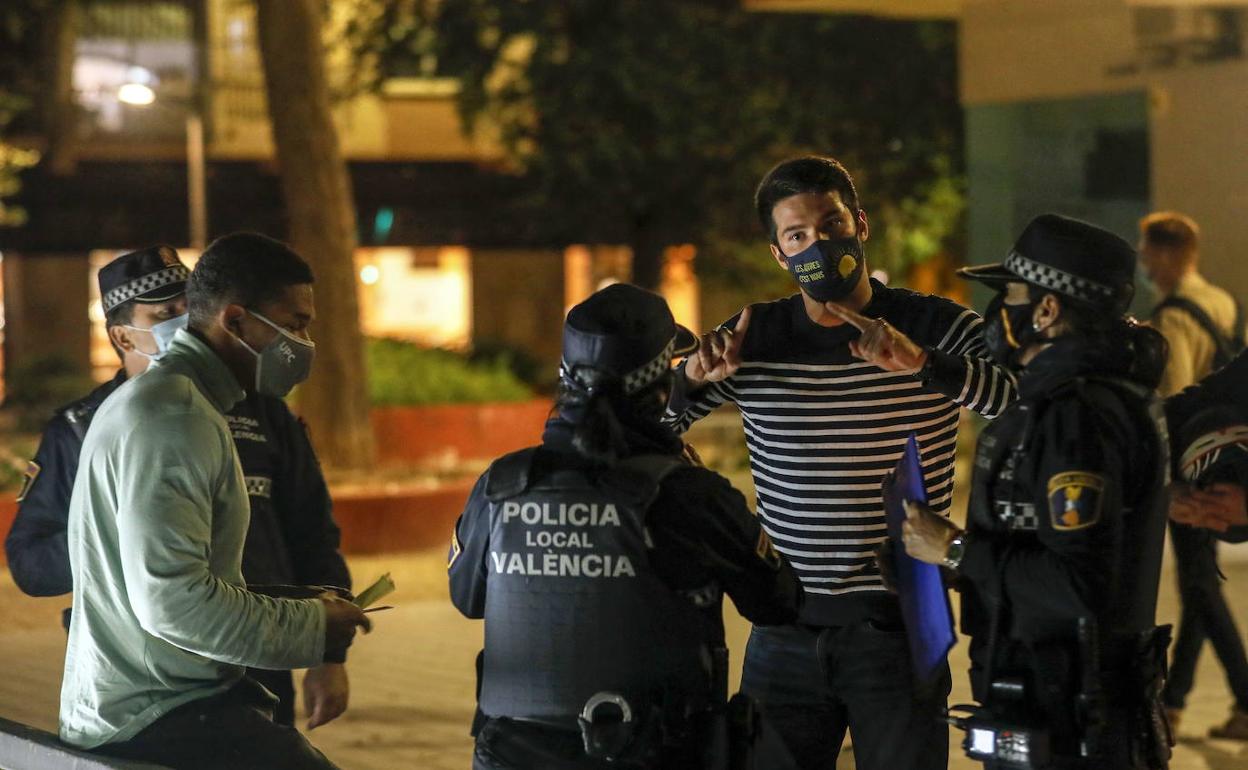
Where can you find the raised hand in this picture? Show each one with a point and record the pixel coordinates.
(719, 353)
(880, 343)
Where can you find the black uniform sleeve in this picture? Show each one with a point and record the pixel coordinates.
(1066, 570)
(37, 545)
(465, 564)
(301, 497)
(714, 532)
(1227, 386)
(1233, 535)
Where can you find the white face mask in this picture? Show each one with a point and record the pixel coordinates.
(163, 333)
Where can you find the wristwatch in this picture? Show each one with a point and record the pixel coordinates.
(955, 552)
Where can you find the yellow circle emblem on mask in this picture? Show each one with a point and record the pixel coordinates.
(846, 265)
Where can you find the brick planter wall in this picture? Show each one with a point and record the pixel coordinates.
(413, 434)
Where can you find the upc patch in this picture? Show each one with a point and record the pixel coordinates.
(1075, 500)
(28, 480)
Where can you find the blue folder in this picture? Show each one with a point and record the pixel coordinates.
(925, 605)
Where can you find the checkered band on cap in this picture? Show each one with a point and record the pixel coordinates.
(649, 372)
(144, 284)
(640, 377)
(1059, 281)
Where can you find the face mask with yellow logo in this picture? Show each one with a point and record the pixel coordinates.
(828, 270)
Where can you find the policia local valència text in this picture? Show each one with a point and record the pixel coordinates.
(582, 519)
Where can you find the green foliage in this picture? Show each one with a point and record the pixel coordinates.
(20, 83)
(650, 123)
(518, 361)
(403, 374)
(37, 387)
(15, 454)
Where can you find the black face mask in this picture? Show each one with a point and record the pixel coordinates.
(828, 270)
(1008, 330)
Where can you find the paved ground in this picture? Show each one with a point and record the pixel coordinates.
(412, 678)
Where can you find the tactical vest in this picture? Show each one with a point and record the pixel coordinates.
(573, 607)
(1002, 498)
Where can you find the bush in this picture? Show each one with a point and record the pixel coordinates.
(521, 362)
(15, 454)
(403, 374)
(37, 388)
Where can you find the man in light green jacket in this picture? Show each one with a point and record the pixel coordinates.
(163, 621)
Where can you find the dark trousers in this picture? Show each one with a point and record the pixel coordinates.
(281, 684)
(1205, 614)
(233, 730)
(813, 684)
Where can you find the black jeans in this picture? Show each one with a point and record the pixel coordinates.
(233, 730)
(813, 684)
(281, 684)
(1205, 614)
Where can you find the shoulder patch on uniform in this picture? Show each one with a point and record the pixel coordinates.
(766, 550)
(1075, 500)
(28, 479)
(456, 549)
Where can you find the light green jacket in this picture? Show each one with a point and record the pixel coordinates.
(157, 522)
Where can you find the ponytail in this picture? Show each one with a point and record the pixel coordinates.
(601, 414)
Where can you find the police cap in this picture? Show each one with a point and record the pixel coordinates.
(627, 332)
(1069, 257)
(153, 274)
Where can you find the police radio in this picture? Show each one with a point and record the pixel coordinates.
(1018, 744)
(1007, 743)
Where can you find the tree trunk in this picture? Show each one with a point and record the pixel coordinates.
(647, 244)
(321, 214)
(60, 114)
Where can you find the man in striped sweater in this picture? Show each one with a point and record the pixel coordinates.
(830, 382)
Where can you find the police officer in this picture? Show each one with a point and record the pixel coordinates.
(1060, 560)
(599, 560)
(1209, 423)
(292, 537)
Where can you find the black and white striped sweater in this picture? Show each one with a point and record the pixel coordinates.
(824, 429)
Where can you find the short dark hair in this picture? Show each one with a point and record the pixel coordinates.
(247, 269)
(1170, 229)
(121, 315)
(809, 174)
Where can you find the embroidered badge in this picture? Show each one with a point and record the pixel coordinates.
(1075, 500)
(28, 481)
(456, 549)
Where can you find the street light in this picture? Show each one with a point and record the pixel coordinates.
(142, 95)
(137, 94)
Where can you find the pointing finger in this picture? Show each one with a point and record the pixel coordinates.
(851, 317)
(743, 321)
